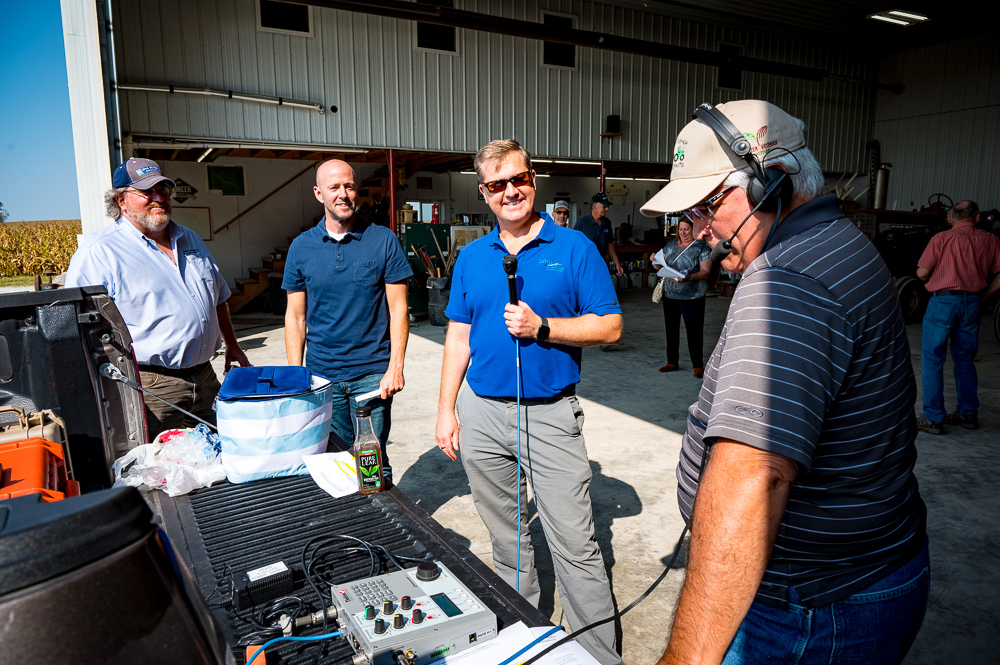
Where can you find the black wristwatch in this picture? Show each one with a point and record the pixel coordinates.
(543, 329)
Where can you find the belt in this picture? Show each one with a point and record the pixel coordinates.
(951, 292)
(177, 372)
(568, 391)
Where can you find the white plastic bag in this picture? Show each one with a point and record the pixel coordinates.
(177, 462)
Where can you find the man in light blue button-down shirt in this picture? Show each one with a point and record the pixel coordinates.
(168, 289)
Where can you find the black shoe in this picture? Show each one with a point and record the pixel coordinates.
(968, 421)
(929, 426)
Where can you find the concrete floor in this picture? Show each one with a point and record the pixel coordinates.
(635, 417)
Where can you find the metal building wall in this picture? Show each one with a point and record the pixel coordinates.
(391, 95)
(943, 133)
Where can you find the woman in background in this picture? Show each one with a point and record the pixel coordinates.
(685, 296)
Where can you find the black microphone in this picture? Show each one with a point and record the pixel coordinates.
(725, 248)
(510, 267)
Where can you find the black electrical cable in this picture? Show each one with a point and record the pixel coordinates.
(618, 615)
(311, 559)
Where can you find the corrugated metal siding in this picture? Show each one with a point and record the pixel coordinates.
(389, 94)
(943, 133)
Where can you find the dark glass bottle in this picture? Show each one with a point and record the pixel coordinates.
(367, 453)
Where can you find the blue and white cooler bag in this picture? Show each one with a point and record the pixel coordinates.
(269, 418)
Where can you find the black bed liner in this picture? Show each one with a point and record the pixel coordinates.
(251, 525)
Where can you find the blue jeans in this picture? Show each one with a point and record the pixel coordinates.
(342, 424)
(873, 627)
(954, 318)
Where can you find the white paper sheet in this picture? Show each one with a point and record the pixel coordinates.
(664, 269)
(335, 473)
(669, 273)
(514, 638)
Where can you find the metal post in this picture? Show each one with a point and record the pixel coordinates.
(391, 159)
(603, 171)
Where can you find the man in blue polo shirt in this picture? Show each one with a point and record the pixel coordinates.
(168, 289)
(346, 283)
(566, 301)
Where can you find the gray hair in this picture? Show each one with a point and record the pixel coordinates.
(111, 207)
(802, 168)
(964, 210)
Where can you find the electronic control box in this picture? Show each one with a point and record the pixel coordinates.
(412, 616)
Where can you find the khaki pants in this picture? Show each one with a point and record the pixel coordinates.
(554, 461)
(193, 389)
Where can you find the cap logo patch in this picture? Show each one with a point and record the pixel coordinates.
(679, 153)
(147, 169)
(763, 147)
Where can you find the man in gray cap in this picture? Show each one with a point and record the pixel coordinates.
(808, 534)
(168, 289)
(560, 213)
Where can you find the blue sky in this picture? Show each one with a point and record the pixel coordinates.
(37, 171)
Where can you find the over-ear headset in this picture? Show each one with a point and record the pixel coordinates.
(769, 188)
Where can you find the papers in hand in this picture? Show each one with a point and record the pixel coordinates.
(335, 473)
(665, 270)
(514, 638)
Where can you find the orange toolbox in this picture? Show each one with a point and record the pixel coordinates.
(35, 466)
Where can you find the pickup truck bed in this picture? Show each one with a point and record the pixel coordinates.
(252, 525)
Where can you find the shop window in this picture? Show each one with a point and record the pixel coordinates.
(555, 54)
(284, 17)
(730, 78)
(434, 37)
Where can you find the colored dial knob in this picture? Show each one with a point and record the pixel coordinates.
(405, 603)
(387, 607)
(379, 626)
(370, 612)
(418, 616)
(427, 571)
(398, 621)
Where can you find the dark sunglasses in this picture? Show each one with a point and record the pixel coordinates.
(519, 180)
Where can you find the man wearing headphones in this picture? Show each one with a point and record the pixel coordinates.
(808, 533)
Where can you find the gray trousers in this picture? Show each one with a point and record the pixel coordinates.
(554, 460)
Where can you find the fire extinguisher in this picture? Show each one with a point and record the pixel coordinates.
(435, 214)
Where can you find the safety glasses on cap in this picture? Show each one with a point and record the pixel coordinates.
(519, 180)
(703, 211)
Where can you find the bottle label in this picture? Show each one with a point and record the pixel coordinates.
(369, 471)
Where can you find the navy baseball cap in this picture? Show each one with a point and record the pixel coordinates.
(602, 198)
(139, 173)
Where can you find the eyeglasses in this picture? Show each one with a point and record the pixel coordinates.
(519, 180)
(560, 212)
(163, 191)
(703, 211)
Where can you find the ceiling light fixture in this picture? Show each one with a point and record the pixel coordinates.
(919, 18)
(899, 17)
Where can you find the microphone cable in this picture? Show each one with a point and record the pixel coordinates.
(656, 582)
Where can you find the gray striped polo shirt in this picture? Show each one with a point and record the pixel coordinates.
(814, 364)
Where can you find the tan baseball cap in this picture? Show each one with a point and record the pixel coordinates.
(702, 160)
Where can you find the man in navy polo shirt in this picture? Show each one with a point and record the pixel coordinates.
(597, 227)
(566, 301)
(346, 284)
